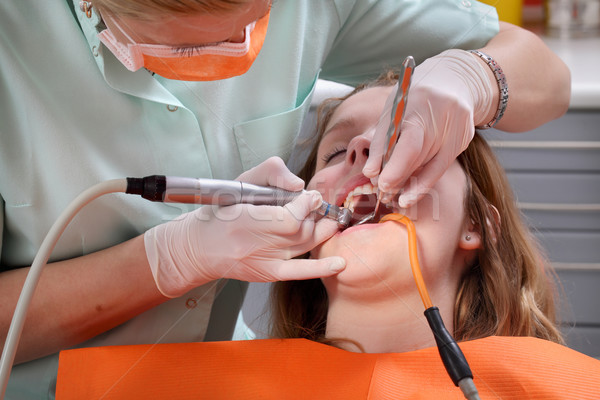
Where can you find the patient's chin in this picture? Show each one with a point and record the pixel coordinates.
(368, 268)
(369, 285)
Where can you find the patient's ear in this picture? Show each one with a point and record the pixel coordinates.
(470, 238)
(471, 232)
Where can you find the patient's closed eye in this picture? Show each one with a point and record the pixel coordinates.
(336, 152)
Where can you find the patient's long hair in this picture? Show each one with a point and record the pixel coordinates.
(508, 291)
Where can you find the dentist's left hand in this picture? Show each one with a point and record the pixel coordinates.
(243, 241)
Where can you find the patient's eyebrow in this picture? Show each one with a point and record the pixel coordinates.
(342, 124)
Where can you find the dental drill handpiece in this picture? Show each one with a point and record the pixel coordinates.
(172, 189)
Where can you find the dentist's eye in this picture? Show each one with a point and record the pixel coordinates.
(190, 51)
(337, 151)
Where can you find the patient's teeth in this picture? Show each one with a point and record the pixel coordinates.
(367, 188)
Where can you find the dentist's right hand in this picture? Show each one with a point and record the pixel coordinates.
(243, 241)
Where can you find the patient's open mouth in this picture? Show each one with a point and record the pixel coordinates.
(362, 200)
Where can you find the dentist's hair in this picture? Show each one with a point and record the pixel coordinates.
(509, 289)
(151, 9)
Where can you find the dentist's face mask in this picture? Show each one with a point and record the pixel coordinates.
(205, 63)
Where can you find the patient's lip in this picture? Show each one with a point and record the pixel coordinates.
(355, 228)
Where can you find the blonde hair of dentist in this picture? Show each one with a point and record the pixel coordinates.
(508, 291)
(147, 9)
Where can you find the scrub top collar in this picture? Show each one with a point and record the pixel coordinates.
(140, 83)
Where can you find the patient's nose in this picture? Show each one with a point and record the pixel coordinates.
(358, 150)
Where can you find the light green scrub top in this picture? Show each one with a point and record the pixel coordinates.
(72, 116)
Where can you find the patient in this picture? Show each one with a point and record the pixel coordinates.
(481, 265)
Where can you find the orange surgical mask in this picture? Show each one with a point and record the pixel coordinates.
(205, 63)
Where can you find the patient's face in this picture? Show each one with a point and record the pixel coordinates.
(376, 252)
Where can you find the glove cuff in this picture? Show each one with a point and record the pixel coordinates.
(170, 270)
(165, 281)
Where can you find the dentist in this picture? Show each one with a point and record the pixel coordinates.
(105, 89)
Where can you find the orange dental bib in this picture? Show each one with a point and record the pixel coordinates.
(503, 367)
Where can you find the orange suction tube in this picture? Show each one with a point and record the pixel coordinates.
(412, 253)
(452, 356)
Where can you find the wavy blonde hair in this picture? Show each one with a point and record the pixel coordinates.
(508, 291)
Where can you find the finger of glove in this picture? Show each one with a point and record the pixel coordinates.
(301, 269)
(262, 221)
(272, 172)
(432, 118)
(373, 165)
(324, 229)
(289, 219)
(295, 244)
(426, 179)
(304, 204)
(442, 124)
(402, 163)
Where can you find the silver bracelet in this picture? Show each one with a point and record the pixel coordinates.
(502, 87)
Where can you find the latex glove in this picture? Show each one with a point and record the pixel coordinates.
(450, 93)
(243, 241)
